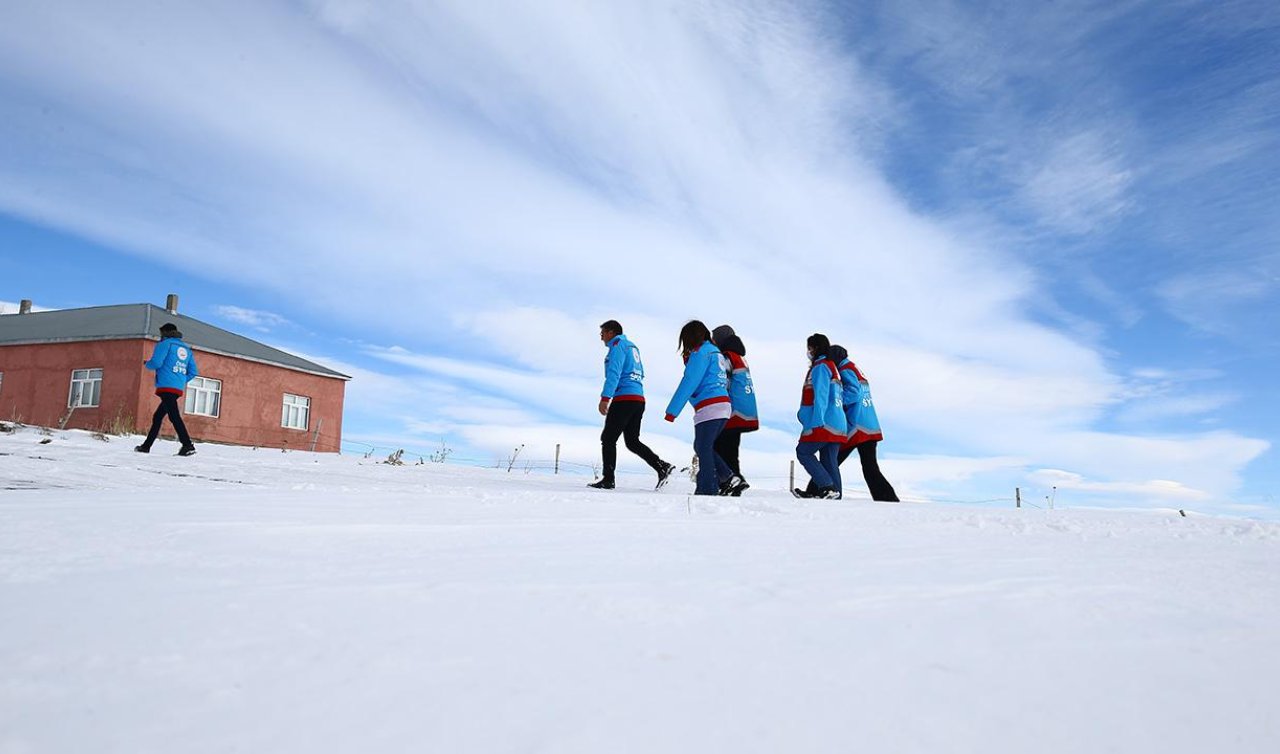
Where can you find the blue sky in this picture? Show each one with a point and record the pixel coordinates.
(1045, 230)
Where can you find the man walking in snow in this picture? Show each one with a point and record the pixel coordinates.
(622, 405)
(175, 366)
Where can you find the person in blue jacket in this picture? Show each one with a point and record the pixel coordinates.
(864, 427)
(823, 423)
(742, 395)
(622, 405)
(175, 366)
(704, 386)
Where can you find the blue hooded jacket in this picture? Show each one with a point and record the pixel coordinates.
(821, 413)
(864, 425)
(174, 365)
(705, 381)
(623, 371)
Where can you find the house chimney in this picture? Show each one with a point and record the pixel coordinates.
(171, 303)
(24, 306)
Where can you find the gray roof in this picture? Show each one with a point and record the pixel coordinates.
(129, 321)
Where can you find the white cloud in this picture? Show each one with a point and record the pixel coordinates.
(491, 185)
(255, 318)
(12, 307)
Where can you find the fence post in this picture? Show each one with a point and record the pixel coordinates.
(1017, 496)
(557, 458)
(791, 485)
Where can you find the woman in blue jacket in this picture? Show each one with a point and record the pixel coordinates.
(705, 387)
(864, 427)
(742, 395)
(823, 423)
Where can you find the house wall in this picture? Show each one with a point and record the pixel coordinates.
(252, 400)
(37, 383)
(37, 380)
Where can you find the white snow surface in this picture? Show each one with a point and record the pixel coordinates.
(257, 601)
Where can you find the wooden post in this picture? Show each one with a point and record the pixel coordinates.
(1017, 496)
(557, 458)
(791, 485)
(315, 436)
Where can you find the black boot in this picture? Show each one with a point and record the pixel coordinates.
(664, 474)
(142, 448)
(603, 484)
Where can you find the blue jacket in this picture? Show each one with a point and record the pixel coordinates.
(864, 425)
(821, 411)
(742, 394)
(174, 365)
(705, 381)
(623, 371)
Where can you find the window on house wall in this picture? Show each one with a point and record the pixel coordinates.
(297, 410)
(1, 381)
(86, 388)
(204, 397)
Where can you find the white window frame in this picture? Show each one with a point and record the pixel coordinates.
(296, 412)
(206, 393)
(82, 379)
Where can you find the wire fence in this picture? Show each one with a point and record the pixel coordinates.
(528, 465)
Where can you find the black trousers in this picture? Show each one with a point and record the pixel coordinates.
(727, 445)
(168, 407)
(623, 420)
(877, 485)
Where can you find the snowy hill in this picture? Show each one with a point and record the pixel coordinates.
(256, 601)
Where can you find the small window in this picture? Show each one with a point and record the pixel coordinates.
(1, 381)
(296, 411)
(86, 388)
(204, 397)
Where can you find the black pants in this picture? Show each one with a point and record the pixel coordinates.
(727, 445)
(877, 485)
(623, 420)
(168, 407)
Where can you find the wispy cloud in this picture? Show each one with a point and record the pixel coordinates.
(255, 318)
(483, 187)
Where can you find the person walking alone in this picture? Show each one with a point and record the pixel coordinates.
(622, 406)
(705, 386)
(822, 420)
(742, 397)
(175, 366)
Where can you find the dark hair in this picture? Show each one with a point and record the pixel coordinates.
(693, 335)
(819, 343)
(837, 353)
(612, 326)
(727, 340)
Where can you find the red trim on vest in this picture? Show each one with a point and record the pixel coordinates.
(628, 398)
(169, 390)
(861, 437)
(710, 402)
(822, 434)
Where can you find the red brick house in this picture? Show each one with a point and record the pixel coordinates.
(82, 368)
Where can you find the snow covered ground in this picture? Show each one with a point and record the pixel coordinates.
(256, 601)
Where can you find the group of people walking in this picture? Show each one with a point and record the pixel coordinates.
(836, 412)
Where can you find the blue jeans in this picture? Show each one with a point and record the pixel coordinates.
(821, 460)
(712, 470)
